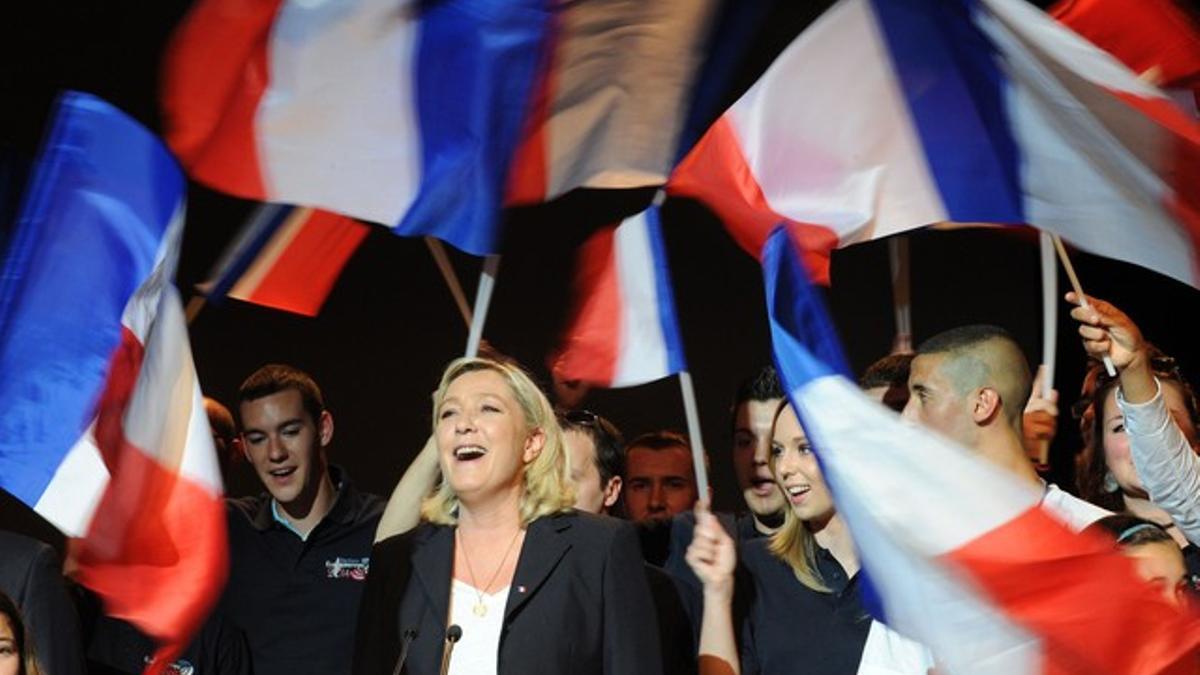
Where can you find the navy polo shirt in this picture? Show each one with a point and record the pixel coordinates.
(297, 599)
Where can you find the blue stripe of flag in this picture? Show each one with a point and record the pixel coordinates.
(665, 294)
(477, 61)
(263, 225)
(949, 74)
(104, 191)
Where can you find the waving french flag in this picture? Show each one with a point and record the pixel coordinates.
(623, 331)
(401, 113)
(884, 116)
(960, 554)
(104, 431)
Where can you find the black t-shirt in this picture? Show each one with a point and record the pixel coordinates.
(297, 600)
(787, 627)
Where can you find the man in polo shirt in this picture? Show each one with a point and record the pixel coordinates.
(299, 553)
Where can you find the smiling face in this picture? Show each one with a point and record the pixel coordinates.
(797, 472)
(752, 454)
(482, 437)
(286, 446)
(1116, 443)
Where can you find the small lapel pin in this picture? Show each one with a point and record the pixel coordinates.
(520, 589)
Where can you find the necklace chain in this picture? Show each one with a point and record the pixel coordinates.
(480, 609)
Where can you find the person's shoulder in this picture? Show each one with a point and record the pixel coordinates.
(756, 553)
(19, 545)
(1075, 512)
(405, 542)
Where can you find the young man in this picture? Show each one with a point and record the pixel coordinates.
(754, 406)
(659, 480)
(597, 460)
(971, 384)
(299, 553)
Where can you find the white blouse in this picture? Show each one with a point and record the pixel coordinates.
(478, 650)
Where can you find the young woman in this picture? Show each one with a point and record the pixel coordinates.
(16, 650)
(799, 589)
(1155, 554)
(503, 576)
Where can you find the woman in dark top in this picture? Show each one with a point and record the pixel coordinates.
(799, 607)
(500, 561)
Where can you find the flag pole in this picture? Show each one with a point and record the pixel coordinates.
(1049, 327)
(697, 441)
(898, 261)
(1066, 261)
(195, 304)
(438, 251)
(483, 298)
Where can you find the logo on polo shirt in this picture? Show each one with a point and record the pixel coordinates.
(354, 569)
(180, 667)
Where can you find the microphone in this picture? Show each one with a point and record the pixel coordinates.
(453, 634)
(406, 638)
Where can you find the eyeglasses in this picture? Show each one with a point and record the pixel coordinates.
(583, 418)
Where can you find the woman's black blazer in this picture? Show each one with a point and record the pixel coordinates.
(579, 603)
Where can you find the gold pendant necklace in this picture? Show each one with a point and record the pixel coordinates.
(480, 609)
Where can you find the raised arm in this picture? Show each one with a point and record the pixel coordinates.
(1163, 457)
(713, 557)
(403, 511)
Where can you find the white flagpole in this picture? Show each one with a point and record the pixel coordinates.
(697, 441)
(1049, 311)
(483, 298)
(438, 251)
(1066, 261)
(901, 294)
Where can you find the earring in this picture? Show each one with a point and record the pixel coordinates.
(1110, 482)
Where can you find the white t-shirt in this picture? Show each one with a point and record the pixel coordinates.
(478, 650)
(1072, 510)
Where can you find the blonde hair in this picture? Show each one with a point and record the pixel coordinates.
(546, 484)
(792, 542)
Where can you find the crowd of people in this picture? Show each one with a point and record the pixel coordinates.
(525, 539)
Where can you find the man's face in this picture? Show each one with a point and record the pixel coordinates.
(752, 454)
(590, 495)
(935, 403)
(285, 445)
(659, 483)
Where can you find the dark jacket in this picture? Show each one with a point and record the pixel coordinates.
(579, 602)
(31, 575)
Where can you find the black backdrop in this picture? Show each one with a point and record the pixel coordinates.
(390, 324)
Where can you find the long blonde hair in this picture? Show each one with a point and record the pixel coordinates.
(793, 543)
(546, 483)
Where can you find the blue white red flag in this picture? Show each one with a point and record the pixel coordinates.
(286, 257)
(104, 431)
(884, 116)
(401, 113)
(623, 331)
(961, 556)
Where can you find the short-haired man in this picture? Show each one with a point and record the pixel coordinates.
(299, 552)
(660, 482)
(597, 459)
(886, 380)
(754, 407)
(971, 384)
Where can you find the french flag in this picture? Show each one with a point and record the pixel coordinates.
(286, 258)
(612, 97)
(623, 331)
(104, 432)
(960, 555)
(884, 116)
(400, 113)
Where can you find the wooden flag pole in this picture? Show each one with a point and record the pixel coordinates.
(901, 294)
(483, 298)
(697, 441)
(1066, 261)
(438, 251)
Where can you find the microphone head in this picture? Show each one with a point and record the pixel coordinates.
(453, 633)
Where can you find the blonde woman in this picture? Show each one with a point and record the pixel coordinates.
(799, 606)
(531, 585)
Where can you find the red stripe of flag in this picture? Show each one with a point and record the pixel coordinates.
(591, 343)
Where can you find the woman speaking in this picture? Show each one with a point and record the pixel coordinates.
(502, 576)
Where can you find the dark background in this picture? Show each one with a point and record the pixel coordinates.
(390, 324)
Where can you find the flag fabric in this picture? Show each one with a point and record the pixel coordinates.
(400, 113)
(968, 111)
(623, 331)
(613, 96)
(1157, 39)
(104, 432)
(960, 555)
(286, 257)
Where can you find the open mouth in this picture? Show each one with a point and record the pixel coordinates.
(468, 453)
(762, 486)
(796, 493)
(282, 472)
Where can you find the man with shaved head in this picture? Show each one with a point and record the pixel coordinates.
(971, 385)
